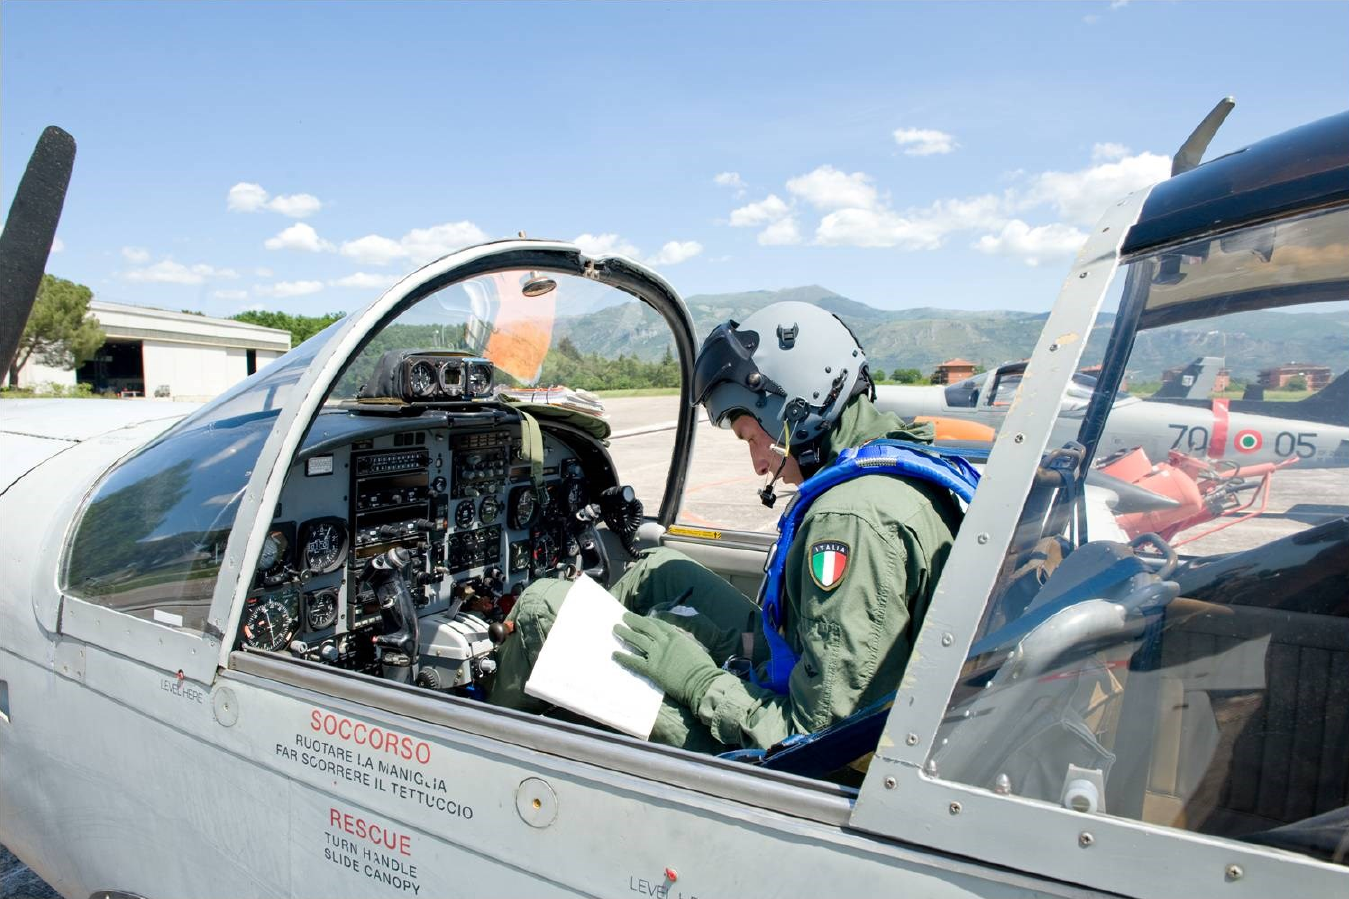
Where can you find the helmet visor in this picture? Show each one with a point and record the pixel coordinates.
(727, 356)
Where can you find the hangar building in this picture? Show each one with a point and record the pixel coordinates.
(167, 355)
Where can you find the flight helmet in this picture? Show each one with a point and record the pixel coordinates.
(791, 365)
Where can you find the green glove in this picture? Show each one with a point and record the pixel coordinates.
(667, 656)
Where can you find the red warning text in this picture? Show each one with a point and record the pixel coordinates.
(376, 738)
(377, 834)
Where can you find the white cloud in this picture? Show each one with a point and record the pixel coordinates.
(1033, 245)
(676, 251)
(914, 229)
(672, 253)
(365, 280)
(1082, 196)
(426, 244)
(230, 294)
(289, 288)
(783, 232)
(136, 255)
(167, 271)
(421, 245)
(733, 181)
(605, 245)
(924, 141)
(1108, 152)
(877, 228)
(770, 209)
(299, 236)
(263, 272)
(828, 188)
(58, 245)
(1091, 20)
(248, 197)
(297, 206)
(374, 250)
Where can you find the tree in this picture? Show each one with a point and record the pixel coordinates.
(908, 376)
(301, 327)
(60, 332)
(878, 375)
(1296, 382)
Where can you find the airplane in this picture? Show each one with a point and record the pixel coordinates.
(1313, 432)
(242, 650)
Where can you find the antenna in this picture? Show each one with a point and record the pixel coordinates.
(1192, 151)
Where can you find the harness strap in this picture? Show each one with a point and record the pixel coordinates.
(891, 457)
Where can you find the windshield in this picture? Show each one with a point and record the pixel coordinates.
(579, 344)
(564, 336)
(151, 539)
(1169, 638)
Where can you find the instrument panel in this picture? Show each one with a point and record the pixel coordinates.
(459, 514)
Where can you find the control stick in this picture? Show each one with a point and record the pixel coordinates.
(620, 509)
(400, 640)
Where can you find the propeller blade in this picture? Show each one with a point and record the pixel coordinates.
(29, 231)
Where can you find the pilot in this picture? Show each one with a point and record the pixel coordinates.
(792, 382)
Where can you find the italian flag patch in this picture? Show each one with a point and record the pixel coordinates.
(828, 562)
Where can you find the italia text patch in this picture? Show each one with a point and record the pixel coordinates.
(828, 563)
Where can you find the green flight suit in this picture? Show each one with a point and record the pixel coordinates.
(853, 635)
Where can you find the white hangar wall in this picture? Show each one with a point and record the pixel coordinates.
(195, 373)
(167, 355)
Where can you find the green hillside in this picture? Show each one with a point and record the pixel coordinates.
(924, 338)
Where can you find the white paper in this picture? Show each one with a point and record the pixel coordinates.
(576, 669)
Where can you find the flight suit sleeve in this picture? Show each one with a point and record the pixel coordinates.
(847, 625)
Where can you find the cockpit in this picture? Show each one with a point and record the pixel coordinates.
(429, 490)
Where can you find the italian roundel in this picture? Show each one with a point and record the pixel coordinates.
(1247, 441)
(828, 562)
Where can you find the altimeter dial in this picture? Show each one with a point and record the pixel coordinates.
(325, 545)
(321, 609)
(269, 625)
(422, 379)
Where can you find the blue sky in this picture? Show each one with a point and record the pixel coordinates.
(299, 156)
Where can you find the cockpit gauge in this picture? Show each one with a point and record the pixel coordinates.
(489, 509)
(479, 382)
(451, 375)
(575, 496)
(544, 552)
(422, 379)
(270, 624)
(320, 609)
(325, 545)
(273, 553)
(463, 514)
(523, 503)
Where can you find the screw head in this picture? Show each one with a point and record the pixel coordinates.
(1085, 839)
(1019, 438)
(947, 639)
(1083, 275)
(889, 783)
(954, 808)
(1234, 872)
(982, 538)
(911, 739)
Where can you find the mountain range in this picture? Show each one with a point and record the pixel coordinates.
(925, 337)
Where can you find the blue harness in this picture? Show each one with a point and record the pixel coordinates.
(892, 457)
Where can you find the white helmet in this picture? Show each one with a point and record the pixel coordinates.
(793, 366)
